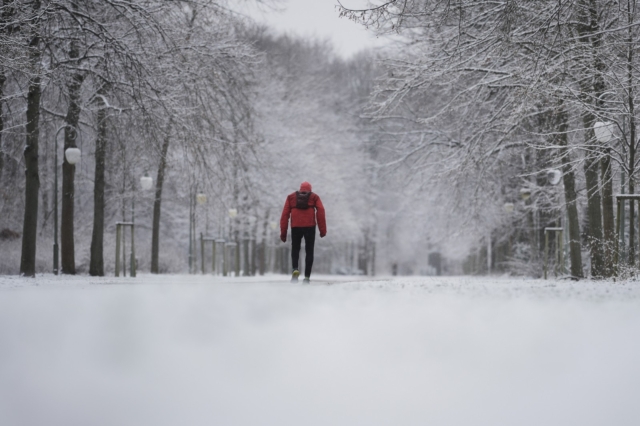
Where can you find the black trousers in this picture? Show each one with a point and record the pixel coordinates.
(309, 234)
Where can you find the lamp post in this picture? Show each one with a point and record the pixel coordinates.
(146, 182)
(508, 209)
(233, 213)
(249, 246)
(201, 199)
(554, 177)
(525, 194)
(273, 225)
(72, 155)
(55, 203)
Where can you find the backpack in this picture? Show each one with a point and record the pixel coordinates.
(302, 200)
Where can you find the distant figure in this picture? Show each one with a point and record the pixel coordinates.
(303, 206)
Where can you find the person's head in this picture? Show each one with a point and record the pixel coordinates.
(305, 187)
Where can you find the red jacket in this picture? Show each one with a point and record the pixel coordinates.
(303, 217)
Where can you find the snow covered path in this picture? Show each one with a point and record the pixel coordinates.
(185, 350)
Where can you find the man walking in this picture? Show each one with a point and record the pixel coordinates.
(303, 206)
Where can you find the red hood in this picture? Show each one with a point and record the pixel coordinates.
(305, 187)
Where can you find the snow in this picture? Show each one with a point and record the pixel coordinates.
(194, 350)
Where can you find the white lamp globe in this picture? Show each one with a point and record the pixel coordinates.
(603, 131)
(72, 155)
(146, 182)
(554, 176)
(201, 198)
(508, 207)
(525, 193)
(233, 213)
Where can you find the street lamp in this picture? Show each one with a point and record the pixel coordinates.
(603, 131)
(197, 198)
(508, 208)
(525, 194)
(233, 213)
(554, 176)
(250, 246)
(72, 155)
(200, 199)
(273, 250)
(146, 183)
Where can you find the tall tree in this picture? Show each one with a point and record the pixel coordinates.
(96, 264)
(32, 186)
(67, 243)
(570, 195)
(157, 202)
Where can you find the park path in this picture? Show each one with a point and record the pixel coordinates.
(201, 350)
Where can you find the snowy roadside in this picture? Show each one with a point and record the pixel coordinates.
(507, 287)
(194, 350)
(78, 281)
(491, 287)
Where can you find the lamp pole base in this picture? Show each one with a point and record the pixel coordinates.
(55, 258)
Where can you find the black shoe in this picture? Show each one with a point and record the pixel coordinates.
(294, 276)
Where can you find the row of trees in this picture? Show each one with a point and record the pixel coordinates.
(483, 98)
(128, 82)
(193, 95)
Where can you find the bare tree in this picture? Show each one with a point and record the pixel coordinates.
(30, 222)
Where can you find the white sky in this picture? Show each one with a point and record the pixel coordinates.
(319, 18)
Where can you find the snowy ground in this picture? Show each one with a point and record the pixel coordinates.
(184, 350)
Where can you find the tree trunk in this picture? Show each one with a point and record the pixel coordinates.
(155, 234)
(632, 159)
(599, 87)
(67, 249)
(592, 88)
(32, 181)
(7, 16)
(3, 79)
(96, 266)
(594, 214)
(568, 178)
(632, 135)
(608, 221)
